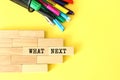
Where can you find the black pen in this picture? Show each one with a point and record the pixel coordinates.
(23, 4)
(35, 5)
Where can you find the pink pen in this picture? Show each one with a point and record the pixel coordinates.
(50, 7)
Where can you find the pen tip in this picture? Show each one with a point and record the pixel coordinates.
(62, 30)
(71, 12)
(68, 19)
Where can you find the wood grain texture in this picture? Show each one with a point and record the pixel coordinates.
(23, 60)
(21, 33)
(29, 51)
(5, 42)
(9, 34)
(50, 42)
(31, 33)
(35, 68)
(50, 59)
(4, 60)
(25, 42)
(10, 68)
(11, 51)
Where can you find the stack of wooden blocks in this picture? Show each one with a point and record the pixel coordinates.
(29, 51)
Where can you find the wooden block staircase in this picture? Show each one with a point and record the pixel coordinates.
(29, 51)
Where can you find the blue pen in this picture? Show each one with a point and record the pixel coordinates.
(58, 24)
(66, 17)
(51, 19)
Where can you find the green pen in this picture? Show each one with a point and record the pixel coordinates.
(31, 4)
(59, 18)
(37, 6)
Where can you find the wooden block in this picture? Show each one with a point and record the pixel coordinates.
(4, 60)
(35, 50)
(23, 60)
(48, 51)
(25, 42)
(61, 51)
(31, 33)
(8, 33)
(5, 42)
(50, 42)
(49, 59)
(42, 43)
(11, 51)
(10, 68)
(35, 68)
(21, 33)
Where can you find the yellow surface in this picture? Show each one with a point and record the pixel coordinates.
(94, 32)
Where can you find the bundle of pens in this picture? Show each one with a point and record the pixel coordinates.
(54, 10)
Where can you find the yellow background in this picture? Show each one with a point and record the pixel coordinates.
(94, 32)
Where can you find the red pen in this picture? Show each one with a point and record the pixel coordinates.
(68, 1)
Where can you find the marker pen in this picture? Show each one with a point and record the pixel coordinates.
(62, 3)
(49, 21)
(50, 7)
(33, 5)
(62, 18)
(23, 4)
(70, 11)
(58, 6)
(60, 26)
(61, 8)
(59, 18)
(66, 17)
(68, 1)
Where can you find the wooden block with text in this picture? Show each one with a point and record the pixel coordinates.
(29, 51)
